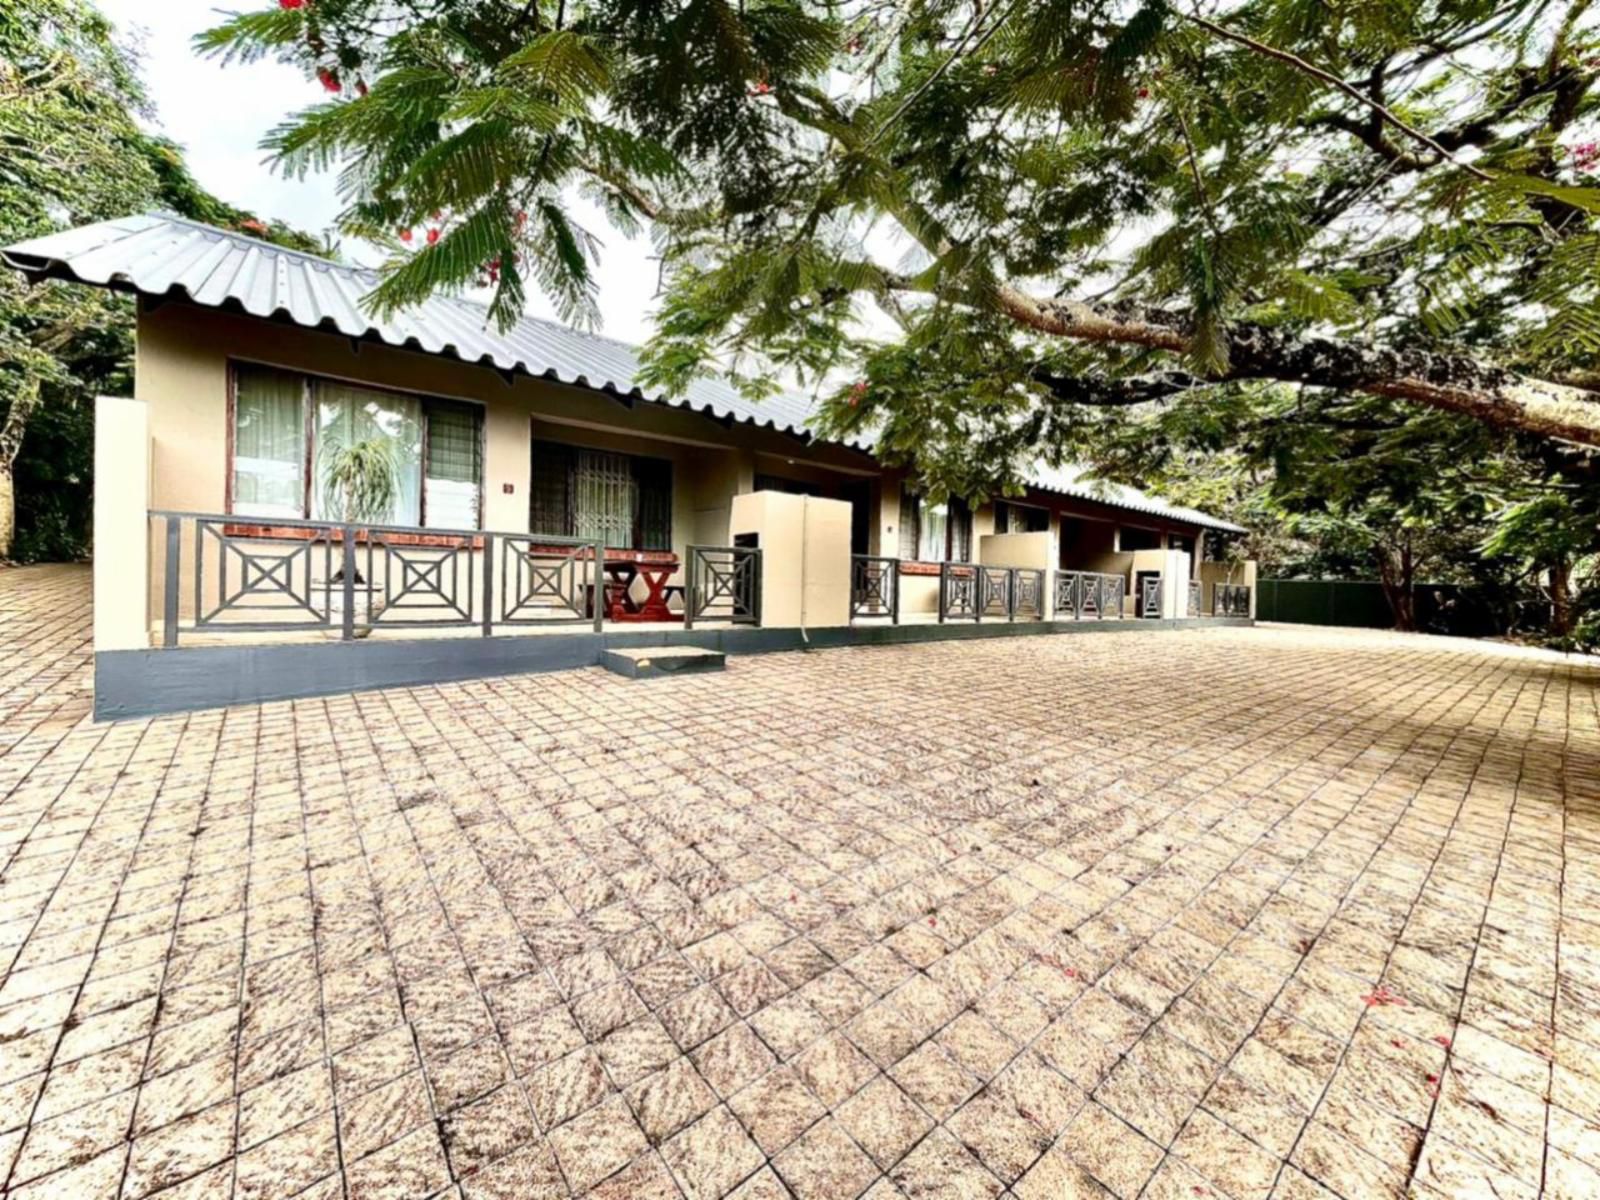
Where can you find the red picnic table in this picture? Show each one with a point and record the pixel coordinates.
(654, 567)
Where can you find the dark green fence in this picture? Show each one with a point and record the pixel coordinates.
(1441, 607)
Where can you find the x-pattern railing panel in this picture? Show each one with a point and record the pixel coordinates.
(1150, 593)
(260, 581)
(433, 579)
(1088, 595)
(958, 592)
(874, 587)
(724, 584)
(547, 580)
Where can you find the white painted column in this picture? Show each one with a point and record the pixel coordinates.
(121, 524)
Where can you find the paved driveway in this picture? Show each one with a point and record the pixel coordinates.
(1227, 913)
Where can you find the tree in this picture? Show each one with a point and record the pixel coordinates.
(1101, 205)
(71, 151)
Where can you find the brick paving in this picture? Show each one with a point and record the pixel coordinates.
(1228, 913)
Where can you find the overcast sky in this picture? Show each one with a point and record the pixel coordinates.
(219, 114)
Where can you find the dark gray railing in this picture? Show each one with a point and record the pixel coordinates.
(958, 592)
(723, 583)
(874, 587)
(1150, 592)
(982, 593)
(1195, 594)
(1230, 600)
(248, 574)
(1027, 593)
(1088, 595)
(994, 593)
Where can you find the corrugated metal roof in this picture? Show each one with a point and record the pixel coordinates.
(157, 254)
(1074, 481)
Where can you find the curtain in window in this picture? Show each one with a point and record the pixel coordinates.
(933, 521)
(269, 441)
(347, 416)
(454, 473)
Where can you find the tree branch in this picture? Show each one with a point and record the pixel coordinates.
(1447, 380)
(1334, 81)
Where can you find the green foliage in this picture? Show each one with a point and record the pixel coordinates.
(867, 198)
(71, 151)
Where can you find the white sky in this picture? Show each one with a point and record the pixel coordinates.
(219, 114)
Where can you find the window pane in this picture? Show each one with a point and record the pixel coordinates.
(455, 469)
(605, 499)
(269, 443)
(351, 416)
(934, 520)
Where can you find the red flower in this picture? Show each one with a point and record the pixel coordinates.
(1144, 93)
(253, 225)
(761, 89)
(329, 79)
(405, 235)
(291, 3)
(433, 236)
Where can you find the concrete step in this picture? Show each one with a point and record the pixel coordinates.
(647, 662)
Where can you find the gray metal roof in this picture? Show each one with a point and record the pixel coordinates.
(156, 254)
(1074, 481)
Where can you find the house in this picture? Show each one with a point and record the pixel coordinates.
(538, 507)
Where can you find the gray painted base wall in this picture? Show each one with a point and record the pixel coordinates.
(141, 683)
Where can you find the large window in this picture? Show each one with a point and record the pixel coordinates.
(932, 532)
(623, 500)
(289, 429)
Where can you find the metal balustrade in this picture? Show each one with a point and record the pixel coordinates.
(1230, 600)
(1088, 595)
(723, 584)
(958, 592)
(1150, 593)
(874, 587)
(977, 593)
(994, 593)
(249, 574)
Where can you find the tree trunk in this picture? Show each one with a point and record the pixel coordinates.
(8, 511)
(1394, 574)
(1560, 589)
(11, 431)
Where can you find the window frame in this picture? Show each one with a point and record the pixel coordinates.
(958, 510)
(308, 436)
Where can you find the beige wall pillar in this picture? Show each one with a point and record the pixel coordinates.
(1030, 551)
(805, 556)
(121, 524)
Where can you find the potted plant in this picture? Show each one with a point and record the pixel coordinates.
(360, 482)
